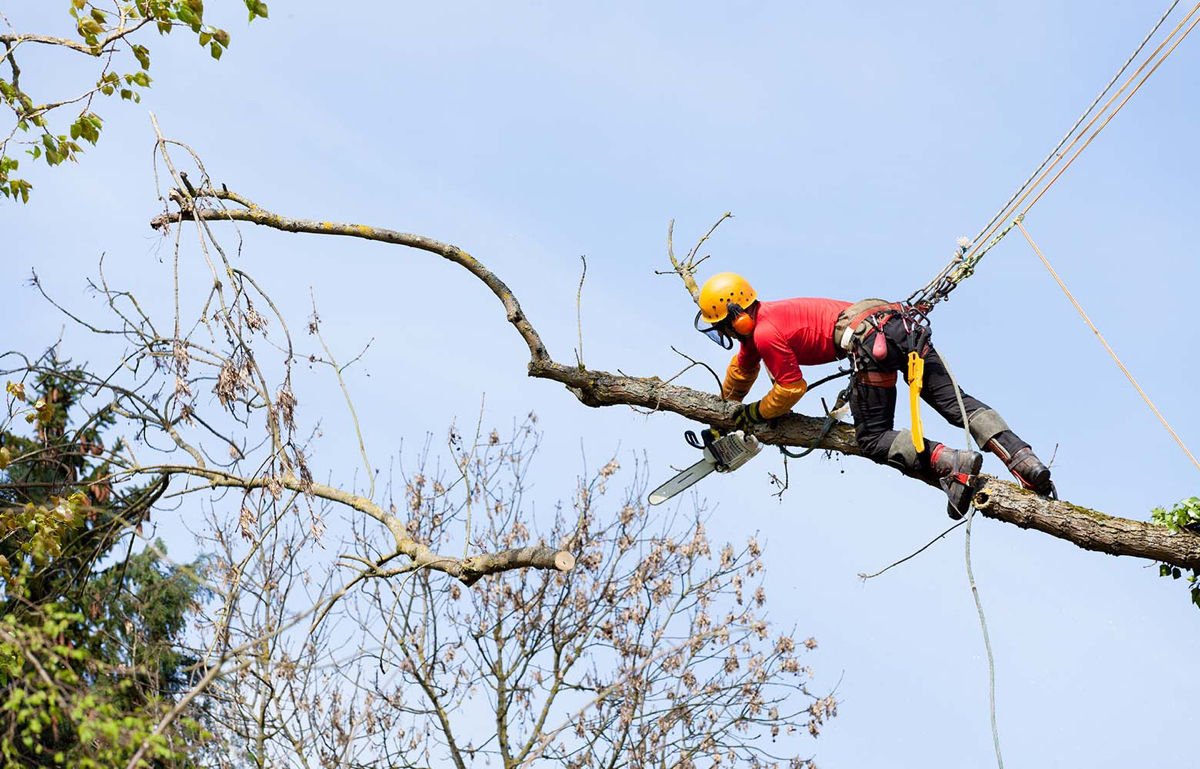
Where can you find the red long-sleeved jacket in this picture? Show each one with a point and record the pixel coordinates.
(787, 334)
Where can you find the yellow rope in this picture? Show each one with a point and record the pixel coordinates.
(1108, 347)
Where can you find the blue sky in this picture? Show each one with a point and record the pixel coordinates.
(853, 143)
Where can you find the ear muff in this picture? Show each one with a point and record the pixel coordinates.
(741, 321)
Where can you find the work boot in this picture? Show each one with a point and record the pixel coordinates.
(1026, 468)
(1032, 474)
(957, 472)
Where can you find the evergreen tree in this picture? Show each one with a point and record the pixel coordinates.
(90, 638)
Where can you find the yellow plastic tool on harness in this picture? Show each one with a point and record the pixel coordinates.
(916, 378)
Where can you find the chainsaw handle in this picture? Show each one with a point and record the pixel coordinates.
(704, 441)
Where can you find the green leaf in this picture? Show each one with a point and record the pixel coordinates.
(215, 49)
(142, 53)
(256, 8)
(89, 28)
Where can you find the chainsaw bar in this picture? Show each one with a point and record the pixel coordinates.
(723, 455)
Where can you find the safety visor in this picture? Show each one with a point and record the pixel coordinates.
(714, 332)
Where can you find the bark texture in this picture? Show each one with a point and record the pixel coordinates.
(1001, 500)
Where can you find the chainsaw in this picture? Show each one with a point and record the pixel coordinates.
(722, 453)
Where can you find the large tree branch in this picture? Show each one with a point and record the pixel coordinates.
(467, 570)
(998, 499)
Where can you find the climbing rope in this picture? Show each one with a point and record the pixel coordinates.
(962, 265)
(1107, 346)
(1054, 152)
(987, 641)
(1124, 101)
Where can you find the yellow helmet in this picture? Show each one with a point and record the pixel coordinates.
(721, 289)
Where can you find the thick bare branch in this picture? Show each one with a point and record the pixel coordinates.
(1001, 500)
(467, 570)
(256, 215)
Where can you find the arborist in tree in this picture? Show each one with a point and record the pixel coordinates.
(880, 339)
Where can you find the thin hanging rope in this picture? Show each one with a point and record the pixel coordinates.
(1108, 347)
(987, 641)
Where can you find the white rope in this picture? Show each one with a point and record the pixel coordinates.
(987, 643)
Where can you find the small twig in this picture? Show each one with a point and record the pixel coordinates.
(315, 328)
(865, 577)
(579, 311)
(693, 364)
(692, 254)
(696, 363)
(782, 484)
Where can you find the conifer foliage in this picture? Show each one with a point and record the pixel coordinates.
(91, 632)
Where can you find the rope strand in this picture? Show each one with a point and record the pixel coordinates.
(1108, 347)
(1054, 152)
(987, 641)
(943, 283)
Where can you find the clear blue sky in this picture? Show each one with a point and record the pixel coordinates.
(853, 143)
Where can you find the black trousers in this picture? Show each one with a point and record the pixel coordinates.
(873, 391)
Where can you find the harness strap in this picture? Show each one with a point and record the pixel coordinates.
(877, 378)
(850, 321)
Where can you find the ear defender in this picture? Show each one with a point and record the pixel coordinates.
(741, 321)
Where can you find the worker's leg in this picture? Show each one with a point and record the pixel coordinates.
(938, 391)
(988, 428)
(873, 404)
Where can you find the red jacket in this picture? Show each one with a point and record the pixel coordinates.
(787, 334)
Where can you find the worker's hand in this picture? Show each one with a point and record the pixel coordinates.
(748, 415)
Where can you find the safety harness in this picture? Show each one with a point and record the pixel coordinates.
(853, 326)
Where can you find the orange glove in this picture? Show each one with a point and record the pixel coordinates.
(738, 381)
(781, 399)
